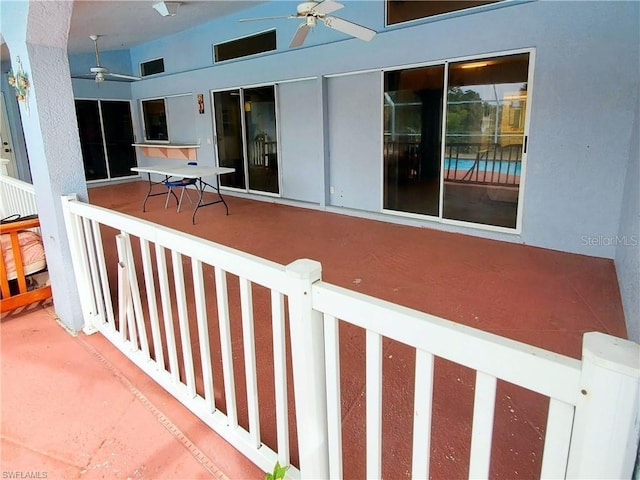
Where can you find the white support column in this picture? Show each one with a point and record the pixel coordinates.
(607, 423)
(37, 32)
(307, 358)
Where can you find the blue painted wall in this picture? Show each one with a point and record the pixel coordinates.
(582, 103)
(628, 240)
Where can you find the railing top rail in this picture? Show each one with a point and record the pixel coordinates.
(4, 179)
(251, 267)
(536, 369)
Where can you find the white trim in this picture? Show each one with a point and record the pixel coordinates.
(526, 141)
(276, 107)
(356, 72)
(174, 95)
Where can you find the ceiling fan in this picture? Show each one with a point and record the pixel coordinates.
(100, 73)
(312, 12)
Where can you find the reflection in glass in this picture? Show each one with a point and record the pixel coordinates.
(486, 106)
(88, 115)
(229, 137)
(155, 119)
(262, 147)
(412, 145)
(118, 137)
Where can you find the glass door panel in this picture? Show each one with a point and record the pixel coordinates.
(118, 137)
(229, 137)
(262, 147)
(485, 125)
(91, 144)
(412, 139)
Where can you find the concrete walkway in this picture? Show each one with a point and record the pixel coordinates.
(76, 408)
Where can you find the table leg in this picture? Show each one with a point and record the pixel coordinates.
(149, 194)
(201, 188)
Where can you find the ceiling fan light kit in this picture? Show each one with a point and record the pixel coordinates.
(311, 12)
(167, 9)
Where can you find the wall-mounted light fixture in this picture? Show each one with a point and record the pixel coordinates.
(20, 82)
(167, 9)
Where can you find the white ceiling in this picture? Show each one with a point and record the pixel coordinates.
(123, 24)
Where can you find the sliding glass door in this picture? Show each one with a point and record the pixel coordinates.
(474, 174)
(246, 136)
(486, 105)
(106, 138)
(412, 139)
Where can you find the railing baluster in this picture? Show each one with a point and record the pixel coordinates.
(248, 337)
(96, 300)
(334, 412)
(422, 410)
(374, 404)
(104, 278)
(482, 429)
(203, 334)
(183, 322)
(280, 375)
(557, 439)
(167, 314)
(135, 296)
(226, 350)
(125, 310)
(152, 303)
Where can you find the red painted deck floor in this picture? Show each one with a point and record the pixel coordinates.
(74, 407)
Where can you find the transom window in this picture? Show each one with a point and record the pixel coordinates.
(152, 67)
(243, 47)
(399, 11)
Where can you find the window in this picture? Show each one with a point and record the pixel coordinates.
(154, 117)
(473, 173)
(399, 11)
(152, 67)
(243, 47)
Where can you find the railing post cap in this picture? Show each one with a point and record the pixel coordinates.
(612, 353)
(305, 269)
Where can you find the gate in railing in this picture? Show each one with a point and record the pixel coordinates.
(230, 329)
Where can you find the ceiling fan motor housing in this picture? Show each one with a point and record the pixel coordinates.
(304, 8)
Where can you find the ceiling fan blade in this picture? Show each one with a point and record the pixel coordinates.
(265, 18)
(325, 7)
(88, 76)
(300, 35)
(124, 77)
(350, 28)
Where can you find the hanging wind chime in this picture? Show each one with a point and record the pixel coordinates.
(20, 81)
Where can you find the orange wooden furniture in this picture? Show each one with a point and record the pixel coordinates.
(21, 295)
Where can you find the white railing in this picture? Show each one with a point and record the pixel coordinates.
(16, 197)
(235, 303)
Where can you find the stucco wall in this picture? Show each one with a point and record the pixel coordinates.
(628, 240)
